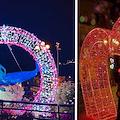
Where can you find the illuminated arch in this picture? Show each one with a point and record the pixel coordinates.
(36, 48)
(95, 83)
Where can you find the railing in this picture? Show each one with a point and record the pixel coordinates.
(18, 111)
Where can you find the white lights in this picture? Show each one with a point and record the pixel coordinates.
(38, 50)
(112, 63)
(115, 41)
(44, 47)
(105, 41)
(37, 47)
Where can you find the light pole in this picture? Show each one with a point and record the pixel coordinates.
(57, 48)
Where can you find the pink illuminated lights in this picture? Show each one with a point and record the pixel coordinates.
(29, 42)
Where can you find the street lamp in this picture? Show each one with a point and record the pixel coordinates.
(42, 43)
(57, 48)
(47, 46)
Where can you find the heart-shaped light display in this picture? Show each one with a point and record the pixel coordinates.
(97, 46)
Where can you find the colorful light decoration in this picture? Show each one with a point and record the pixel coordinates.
(41, 54)
(97, 46)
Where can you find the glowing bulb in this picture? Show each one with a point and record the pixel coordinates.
(37, 47)
(93, 22)
(47, 46)
(42, 43)
(105, 41)
(117, 42)
(111, 60)
(112, 66)
(113, 40)
(119, 70)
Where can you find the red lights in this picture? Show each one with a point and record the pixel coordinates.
(119, 70)
(97, 46)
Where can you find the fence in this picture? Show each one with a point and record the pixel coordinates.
(16, 110)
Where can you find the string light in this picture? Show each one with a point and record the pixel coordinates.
(95, 83)
(112, 66)
(29, 42)
(47, 46)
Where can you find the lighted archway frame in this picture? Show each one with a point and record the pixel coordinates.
(97, 46)
(26, 40)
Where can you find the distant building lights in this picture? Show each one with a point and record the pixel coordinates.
(86, 18)
(82, 19)
(119, 70)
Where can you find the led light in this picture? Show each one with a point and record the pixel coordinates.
(37, 47)
(105, 41)
(114, 40)
(119, 70)
(82, 19)
(117, 43)
(43, 43)
(95, 52)
(93, 22)
(47, 46)
(111, 60)
(112, 66)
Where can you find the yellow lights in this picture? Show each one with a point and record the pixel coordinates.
(105, 41)
(37, 47)
(47, 46)
(44, 47)
(42, 43)
(115, 41)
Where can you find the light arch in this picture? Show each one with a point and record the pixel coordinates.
(97, 46)
(22, 38)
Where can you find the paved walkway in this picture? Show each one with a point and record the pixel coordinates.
(81, 108)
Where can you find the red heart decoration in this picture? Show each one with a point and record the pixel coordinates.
(97, 46)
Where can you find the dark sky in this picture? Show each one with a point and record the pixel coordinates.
(50, 20)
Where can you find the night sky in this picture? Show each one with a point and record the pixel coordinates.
(50, 20)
